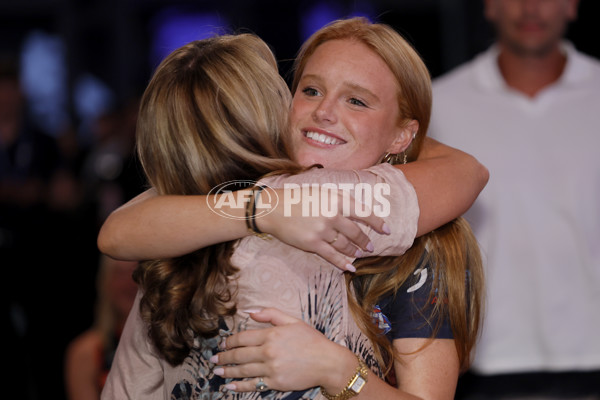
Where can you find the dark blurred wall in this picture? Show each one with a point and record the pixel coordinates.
(111, 38)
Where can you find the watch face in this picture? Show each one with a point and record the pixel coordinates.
(358, 384)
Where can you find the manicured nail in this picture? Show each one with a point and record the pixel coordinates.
(251, 311)
(230, 386)
(350, 267)
(358, 253)
(214, 359)
(386, 229)
(219, 371)
(370, 247)
(223, 344)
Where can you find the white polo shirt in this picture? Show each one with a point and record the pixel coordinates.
(538, 219)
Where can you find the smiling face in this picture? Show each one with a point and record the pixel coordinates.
(345, 110)
(530, 27)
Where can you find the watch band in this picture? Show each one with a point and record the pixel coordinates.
(354, 386)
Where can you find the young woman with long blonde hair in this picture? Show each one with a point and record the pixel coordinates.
(200, 281)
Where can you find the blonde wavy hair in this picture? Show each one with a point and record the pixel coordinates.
(451, 250)
(215, 110)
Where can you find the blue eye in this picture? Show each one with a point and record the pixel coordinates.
(357, 102)
(310, 91)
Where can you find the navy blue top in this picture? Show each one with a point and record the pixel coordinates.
(407, 313)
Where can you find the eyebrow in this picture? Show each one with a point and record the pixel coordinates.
(363, 90)
(350, 85)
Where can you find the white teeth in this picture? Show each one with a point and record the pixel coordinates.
(319, 137)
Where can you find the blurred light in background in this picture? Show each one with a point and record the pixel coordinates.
(91, 99)
(44, 80)
(324, 12)
(172, 28)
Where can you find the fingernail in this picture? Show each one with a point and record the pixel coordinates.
(214, 359)
(370, 247)
(223, 344)
(358, 253)
(219, 371)
(251, 311)
(386, 229)
(350, 267)
(230, 386)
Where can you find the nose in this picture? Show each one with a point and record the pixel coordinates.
(325, 111)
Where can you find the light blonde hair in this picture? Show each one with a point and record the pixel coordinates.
(451, 250)
(215, 110)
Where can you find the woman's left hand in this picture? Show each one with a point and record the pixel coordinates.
(289, 356)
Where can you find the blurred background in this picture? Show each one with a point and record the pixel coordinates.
(71, 74)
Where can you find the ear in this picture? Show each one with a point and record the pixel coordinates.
(489, 10)
(573, 6)
(404, 137)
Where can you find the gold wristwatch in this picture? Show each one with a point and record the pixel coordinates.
(354, 386)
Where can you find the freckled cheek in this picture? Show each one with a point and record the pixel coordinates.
(294, 118)
(300, 149)
(295, 128)
(364, 132)
(299, 108)
(303, 109)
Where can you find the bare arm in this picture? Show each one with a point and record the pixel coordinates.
(294, 356)
(151, 226)
(447, 182)
(430, 373)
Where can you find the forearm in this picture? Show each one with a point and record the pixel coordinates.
(447, 182)
(376, 388)
(428, 369)
(293, 355)
(152, 226)
(343, 367)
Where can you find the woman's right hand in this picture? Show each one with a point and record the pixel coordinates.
(336, 236)
(290, 355)
(152, 226)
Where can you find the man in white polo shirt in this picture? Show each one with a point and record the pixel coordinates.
(529, 109)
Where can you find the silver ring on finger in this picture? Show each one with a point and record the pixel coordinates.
(261, 386)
